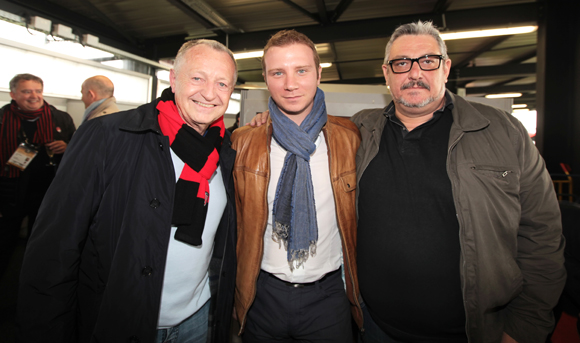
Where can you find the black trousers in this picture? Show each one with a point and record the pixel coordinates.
(16, 202)
(316, 312)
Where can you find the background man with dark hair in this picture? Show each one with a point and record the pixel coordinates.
(27, 119)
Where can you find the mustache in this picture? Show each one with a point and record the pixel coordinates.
(415, 83)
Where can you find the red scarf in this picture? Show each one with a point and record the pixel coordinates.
(201, 157)
(11, 128)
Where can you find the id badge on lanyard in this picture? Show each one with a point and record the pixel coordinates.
(23, 155)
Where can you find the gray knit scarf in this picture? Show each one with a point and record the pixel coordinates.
(294, 212)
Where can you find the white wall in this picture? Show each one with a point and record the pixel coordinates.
(63, 76)
(74, 107)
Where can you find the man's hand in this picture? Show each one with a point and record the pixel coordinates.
(260, 119)
(507, 339)
(58, 147)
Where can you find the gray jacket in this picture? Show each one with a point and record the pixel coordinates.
(512, 264)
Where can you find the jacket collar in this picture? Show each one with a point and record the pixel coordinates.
(465, 116)
(144, 118)
(372, 123)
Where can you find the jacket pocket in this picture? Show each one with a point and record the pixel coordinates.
(497, 172)
(348, 182)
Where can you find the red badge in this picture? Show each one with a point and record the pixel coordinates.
(58, 129)
(206, 199)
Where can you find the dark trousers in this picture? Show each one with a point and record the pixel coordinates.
(317, 312)
(16, 203)
(372, 332)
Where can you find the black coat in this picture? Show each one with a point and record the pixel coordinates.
(94, 265)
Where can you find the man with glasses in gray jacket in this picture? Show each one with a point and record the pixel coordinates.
(459, 233)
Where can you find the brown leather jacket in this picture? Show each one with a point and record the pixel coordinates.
(252, 175)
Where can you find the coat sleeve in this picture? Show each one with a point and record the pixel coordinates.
(540, 250)
(47, 297)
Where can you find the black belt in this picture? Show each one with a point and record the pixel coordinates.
(305, 284)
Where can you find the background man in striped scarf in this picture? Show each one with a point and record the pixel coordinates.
(28, 118)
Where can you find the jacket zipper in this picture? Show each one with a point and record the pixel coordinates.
(461, 227)
(503, 174)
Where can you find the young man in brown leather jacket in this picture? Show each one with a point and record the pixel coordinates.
(295, 198)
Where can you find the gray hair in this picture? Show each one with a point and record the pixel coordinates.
(209, 43)
(416, 29)
(24, 77)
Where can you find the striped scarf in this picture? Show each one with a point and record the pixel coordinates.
(11, 129)
(201, 157)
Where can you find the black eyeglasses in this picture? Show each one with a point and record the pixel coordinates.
(426, 63)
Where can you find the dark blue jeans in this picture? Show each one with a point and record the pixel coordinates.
(192, 330)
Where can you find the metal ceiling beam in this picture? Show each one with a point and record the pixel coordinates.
(525, 99)
(383, 27)
(493, 72)
(333, 32)
(337, 65)
(505, 82)
(186, 9)
(380, 27)
(340, 9)
(57, 14)
(516, 64)
(302, 10)
(513, 62)
(441, 6)
(501, 89)
(321, 6)
(204, 10)
(487, 45)
(525, 56)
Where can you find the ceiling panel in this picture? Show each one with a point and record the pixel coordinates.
(470, 4)
(359, 70)
(365, 9)
(354, 43)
